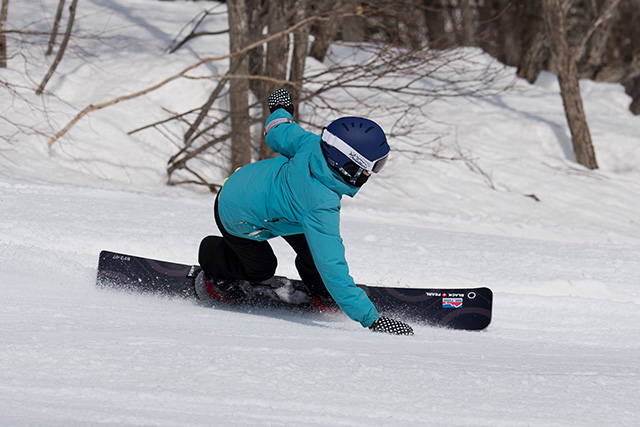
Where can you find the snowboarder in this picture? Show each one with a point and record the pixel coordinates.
(296, 196)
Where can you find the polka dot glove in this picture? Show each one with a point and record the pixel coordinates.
(391, 326)
(280, 99)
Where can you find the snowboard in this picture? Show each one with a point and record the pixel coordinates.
(468, 309)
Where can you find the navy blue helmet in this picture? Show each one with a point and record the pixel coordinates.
(355, 147)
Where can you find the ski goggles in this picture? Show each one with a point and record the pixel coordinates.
(371, 166)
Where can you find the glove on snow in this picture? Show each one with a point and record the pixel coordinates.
(280, 99)
(391, 326)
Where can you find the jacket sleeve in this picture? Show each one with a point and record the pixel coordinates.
(322, 229)
(283, 135)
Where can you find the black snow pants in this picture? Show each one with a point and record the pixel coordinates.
(231, 257)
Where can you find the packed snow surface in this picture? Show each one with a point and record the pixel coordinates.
(562, 349)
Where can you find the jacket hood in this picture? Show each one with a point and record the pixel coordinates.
(322, 172)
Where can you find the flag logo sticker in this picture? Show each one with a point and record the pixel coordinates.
(451, 302)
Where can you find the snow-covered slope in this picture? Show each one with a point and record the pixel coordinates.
(562, 348)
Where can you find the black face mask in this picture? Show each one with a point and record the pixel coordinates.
(348, 171)
(361, 179)
(352, 170)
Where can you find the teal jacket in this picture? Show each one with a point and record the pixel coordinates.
(296, 193)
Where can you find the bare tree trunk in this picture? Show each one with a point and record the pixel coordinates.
(256, 55)
(277, 58)
(534, 57)
(569, 84)
(239, 88)
(324, 32)
(54, 30)
(508, 33)
(4, 11)
(487, 29)
(353, 28)
(535, 42)
(435, 17)
(632, 87)
(63, 47)
(300, 48)
(416, 27)
(499, 29)
(467, 30)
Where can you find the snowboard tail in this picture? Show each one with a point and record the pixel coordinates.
(468, 309)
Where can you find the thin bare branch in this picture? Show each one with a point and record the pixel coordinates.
(88, 109)
(54, 30)
(63, 47)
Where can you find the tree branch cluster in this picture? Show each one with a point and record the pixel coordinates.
(400, 50)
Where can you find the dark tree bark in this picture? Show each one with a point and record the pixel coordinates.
(4, 11)
(299, 56)
(535, 42)
(239, 87)
(535, 56)
(633, 89)
(569, 84)
(467, 24)
(435, 16)
(509, 32)
(256, 56)
(324, 32)
(277, 59)
(353, 28)
(499, 31)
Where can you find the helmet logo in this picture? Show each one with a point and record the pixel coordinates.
(359, 160)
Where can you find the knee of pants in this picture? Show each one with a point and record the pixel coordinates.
(208, 251)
